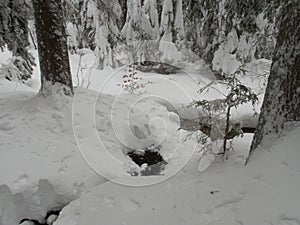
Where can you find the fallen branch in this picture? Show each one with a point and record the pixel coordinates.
(234, 130)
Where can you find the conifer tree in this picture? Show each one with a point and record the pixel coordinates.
(52, 47)
(282, 98)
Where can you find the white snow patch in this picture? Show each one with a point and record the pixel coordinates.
(263, 192)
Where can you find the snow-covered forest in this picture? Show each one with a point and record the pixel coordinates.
(155, 112)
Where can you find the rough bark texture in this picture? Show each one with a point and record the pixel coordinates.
(282, 99)
(52, 46)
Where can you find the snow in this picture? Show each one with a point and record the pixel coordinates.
(5, 55)
(263, 192)
(70, 154)
(166, 16)
(224, 59)
(51, 219)
(137, 23)
(37, 143)
(72, 32)
(169, 51)
(178, 22)
(49, 170)
(8, 209)
(126, 123)
(150, 9)
(59, 151)
(8, 86)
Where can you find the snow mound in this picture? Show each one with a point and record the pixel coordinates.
(37, 143)
(48, 144)
(266, 191)
(13, 86)
(12, 207)
(16, 207)
(107, 127)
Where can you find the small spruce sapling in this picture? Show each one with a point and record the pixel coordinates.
(219, 110)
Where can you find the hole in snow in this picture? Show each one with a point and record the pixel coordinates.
(149, 160)
(49, 219)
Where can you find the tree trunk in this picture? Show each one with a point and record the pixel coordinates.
(282, 98)
(52, 47)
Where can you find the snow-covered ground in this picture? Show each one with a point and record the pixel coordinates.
(265, 192)
(55, 150)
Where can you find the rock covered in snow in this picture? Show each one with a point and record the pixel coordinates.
(51, 219)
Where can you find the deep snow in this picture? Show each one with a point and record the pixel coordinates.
(44, 142)
(266, 191)
(56, 150)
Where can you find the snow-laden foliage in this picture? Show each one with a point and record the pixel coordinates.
(14, 34)
(229, 33)
(226, 33)
(150, 10)
(172, 29)
(137, 26)
(101, 18)
(141, 26)
(10, 72)
(94, 24)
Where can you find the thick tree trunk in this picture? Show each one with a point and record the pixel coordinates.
(282, 99)
(52, 47)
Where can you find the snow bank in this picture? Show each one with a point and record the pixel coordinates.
(12, 207)
(107, 127)
(15, 207)
(266, 191)
(49, 164)
(37, 143)
(41, 162)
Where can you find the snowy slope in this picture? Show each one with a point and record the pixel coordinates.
(53, 149)
(48, 144)
(264, 192)
(37, 143)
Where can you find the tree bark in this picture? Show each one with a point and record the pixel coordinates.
(52, 47)
(282, 98)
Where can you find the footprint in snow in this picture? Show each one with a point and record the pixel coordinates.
(109, 201)
(284, 164)
(22, 181)
(288, 221)
(130, 205)
(256, 178)
(6, 126)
